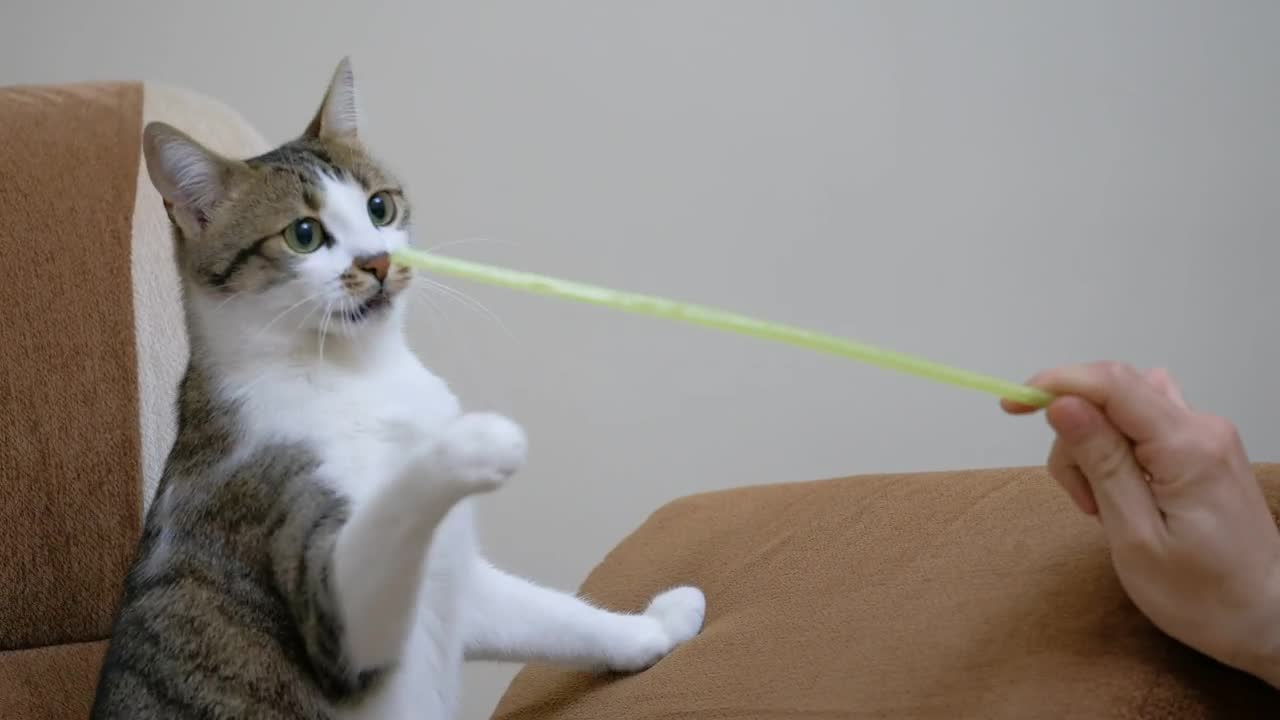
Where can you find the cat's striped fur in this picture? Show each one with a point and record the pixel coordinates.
(228, 611)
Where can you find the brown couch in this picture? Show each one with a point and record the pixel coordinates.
(977, 594)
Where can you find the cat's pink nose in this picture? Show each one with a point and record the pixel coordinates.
(376, 265)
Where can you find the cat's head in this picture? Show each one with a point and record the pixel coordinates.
(297, 237)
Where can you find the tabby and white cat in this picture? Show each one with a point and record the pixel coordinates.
(310, 552)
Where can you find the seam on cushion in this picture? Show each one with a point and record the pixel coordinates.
(37, 648)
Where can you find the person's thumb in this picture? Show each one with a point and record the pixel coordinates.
(1105, 457)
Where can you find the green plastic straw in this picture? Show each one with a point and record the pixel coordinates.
(721, 320)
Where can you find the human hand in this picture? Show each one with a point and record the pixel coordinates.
(1191, 537)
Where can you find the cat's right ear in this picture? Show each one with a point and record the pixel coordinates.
(339, 113)
(191, 178)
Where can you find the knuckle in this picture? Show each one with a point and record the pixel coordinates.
(1062, 473)
(1149, 455)
(1114, 374)
(1115, 370)
(1057, 458)
(1157, 377)
(1134, 541)
(1110, 457)
(1220, 437)
(1062, 466)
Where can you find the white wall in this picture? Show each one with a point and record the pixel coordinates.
(1001, 185)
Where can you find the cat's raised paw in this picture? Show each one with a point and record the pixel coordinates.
(481, 451)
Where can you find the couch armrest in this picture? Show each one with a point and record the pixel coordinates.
(944, 595)
(91, 349)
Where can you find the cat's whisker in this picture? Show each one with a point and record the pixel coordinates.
(247, 389)
(468, 301)
(228, 299)
(288, 310)
(307, 317)
(324, 327)
(341, 314)
(462, 297)
(439, 317)
(423, 293)
(347, 323)
(464, 241)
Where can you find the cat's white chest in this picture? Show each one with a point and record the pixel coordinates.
(360, 426)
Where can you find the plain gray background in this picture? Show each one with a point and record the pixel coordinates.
(999, 185)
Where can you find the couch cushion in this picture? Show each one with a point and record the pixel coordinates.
(965, 594)
(70, 458)
(53, 683)
(91, 343)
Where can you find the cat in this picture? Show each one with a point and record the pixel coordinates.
(310, 552)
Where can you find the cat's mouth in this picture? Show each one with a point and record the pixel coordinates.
(376, 304)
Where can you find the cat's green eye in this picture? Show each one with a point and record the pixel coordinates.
(304, 236)
(382, 208)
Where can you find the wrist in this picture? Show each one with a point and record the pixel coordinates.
(1266, 666)
(1271, 676)
(1265, 661)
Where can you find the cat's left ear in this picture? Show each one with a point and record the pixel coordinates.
(339, 114)
(193, 180)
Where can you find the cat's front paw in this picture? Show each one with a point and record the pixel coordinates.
(680, 611)
(480, 451)
(675, 617)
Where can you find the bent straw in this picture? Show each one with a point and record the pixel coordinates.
(720, 320)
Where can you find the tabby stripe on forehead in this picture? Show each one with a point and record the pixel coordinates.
(311, 197)
(242, 257)
(322, 157)
(292, 157)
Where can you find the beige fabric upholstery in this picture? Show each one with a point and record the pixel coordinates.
(159, 326)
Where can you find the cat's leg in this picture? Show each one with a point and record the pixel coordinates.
(512, 619)
(353, 584)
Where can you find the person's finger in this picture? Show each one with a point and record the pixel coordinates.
(1158, 377)
(1164, 382)
(1134, 406)
(1064, 469)
(1105, 458)
(1013, 407)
